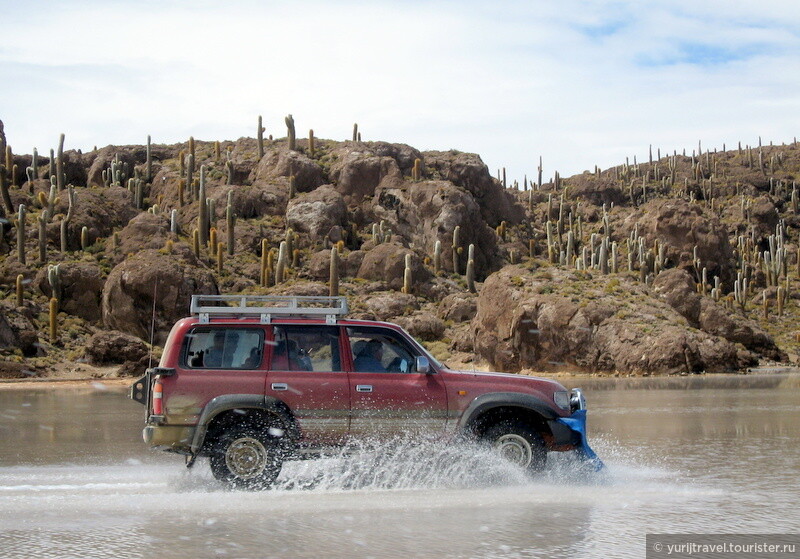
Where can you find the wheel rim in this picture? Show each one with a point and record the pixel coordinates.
(246, 458)
(514, 448)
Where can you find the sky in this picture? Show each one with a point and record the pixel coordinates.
(578, 83)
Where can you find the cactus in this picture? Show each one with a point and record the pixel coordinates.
(229, 171)
(311, 145)
(217, 153)
(203, 224)
(268, 278)
(219, 257)
(292, 188)
(53, 320)
(289, 238)
(230, 221)
(264, 250)
(290, 131)
(42, 219)
(149, 163)
(407, 283)
(20, 290)
(85, 244)
(780, 300)
(456, 242)
(196, 242)
(5, 193)
(173, 222)
(21, 234)
(190, 174)
(60, 164)
(35, 164)
(54, 279)
(212, 242)
(437, 256)
(333, 282)
(501, 230)
(416, 173)
(355, 132)
(471, 270)
(280, 270)
(182, 162)
(260, 135)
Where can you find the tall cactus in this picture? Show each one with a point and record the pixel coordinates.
(260, 133)
(407, 280)
(149, 162)
(311, 143)
(5, 193)
(471, 269)
(54, 279)
(280, 270)
(42, 219)
(230, 220)
(437, 256)
(333, 290)
(290, 134)
(21, 234)
(456, 242)
(203, 223)
(60, 164)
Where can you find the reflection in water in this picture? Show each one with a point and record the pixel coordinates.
(76, 481)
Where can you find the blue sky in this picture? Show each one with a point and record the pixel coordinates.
(581, 83)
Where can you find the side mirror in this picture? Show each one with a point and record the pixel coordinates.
(423, 365)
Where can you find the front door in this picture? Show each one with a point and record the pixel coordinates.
(306, 374)
(388, 396)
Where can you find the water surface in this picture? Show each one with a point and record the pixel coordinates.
(698, 454)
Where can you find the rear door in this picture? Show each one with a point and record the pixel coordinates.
(388, 396)
(306, 373)
(214, 360)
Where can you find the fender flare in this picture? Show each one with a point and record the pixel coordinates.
(229, 402)
(486, 402)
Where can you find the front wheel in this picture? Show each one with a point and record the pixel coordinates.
(247, 458)
(519, 444)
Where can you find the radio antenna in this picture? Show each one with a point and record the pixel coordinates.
(153, 325)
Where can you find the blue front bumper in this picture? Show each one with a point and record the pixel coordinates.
(577, 424)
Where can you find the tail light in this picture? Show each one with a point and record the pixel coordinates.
(158, 393)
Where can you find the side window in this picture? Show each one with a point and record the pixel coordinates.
(305, 348)
(380, 350)
(223, 348)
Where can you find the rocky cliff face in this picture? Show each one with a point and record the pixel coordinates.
(662, 267)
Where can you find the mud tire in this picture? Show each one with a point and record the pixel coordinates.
(246, 458)
(519, 444)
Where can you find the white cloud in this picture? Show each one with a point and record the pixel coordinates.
(579, 82)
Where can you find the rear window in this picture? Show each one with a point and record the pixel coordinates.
(223, 348)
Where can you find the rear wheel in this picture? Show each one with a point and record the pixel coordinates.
(246, 457)
(519, 444)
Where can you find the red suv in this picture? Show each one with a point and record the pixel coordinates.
(251, 381)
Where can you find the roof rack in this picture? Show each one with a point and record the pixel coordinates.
(267, 307)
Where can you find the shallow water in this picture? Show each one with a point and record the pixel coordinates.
(690, 455)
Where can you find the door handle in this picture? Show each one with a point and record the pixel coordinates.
(280, 386)
(363, 388)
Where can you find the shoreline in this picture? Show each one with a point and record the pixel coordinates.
(567, 378)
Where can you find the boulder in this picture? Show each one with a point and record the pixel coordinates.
(172, 278)
(82, 285)
(422, 325)
(681, 227)
(145, 231)
(279, 161)
(560, 319)
(676, 288)
(316, 213)
(113, 347)
(100, 210)
(17, 330)
(429, 211)
(386, 262)
(389, 306)
(357, 174)
(458, 307)
(469, 172)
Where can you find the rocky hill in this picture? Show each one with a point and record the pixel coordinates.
(680, 264)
